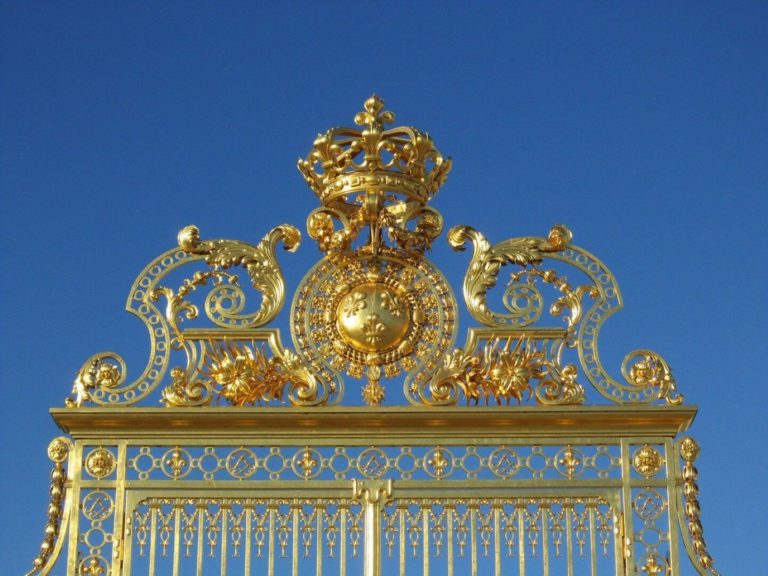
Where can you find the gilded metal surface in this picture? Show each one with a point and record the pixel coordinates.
(376, 317)
(503, 372)
(100, 463)
(374, 308)
(347, 161)
(647, 461)
(689, 450)
(58, 452)
(259, 463)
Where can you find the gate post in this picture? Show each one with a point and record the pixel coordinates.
(373, 495)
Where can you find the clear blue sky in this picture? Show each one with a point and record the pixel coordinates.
(643, 126)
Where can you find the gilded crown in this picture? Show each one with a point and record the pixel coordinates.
(347, 161)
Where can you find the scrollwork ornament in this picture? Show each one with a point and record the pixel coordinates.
(505, 370)
(571, 299)
(427, 225)
(182, 392)
(303, 388)
(105, 371)
(321, 228)
(645, 369)
(558, 386)
(487, 261)
(243, 374)
(259, 261)
(178, 308)
(460, 372)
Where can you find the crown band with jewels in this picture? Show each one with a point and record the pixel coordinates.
(402, 160)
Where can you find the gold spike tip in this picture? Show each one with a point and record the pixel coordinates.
(346, 162)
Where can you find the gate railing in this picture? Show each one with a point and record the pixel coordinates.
(263, 461)
(438, 491)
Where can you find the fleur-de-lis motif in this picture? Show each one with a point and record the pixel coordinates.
(307, 463)
(391, 303)
(439, 462)
(373, 328)
(354, 303)
(570, 461)
(177, 463)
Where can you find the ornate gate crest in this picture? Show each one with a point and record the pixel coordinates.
(515, 453)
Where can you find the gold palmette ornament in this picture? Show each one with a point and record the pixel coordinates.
(258, 461)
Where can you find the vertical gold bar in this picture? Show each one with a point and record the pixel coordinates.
(343, 541)
(674, 543)
(544, 540)
(372, 541)
(425, 541)
(152, 540)
(592, 540)
(521, 538)
(569, 539)
(449, 537)
(401, 514)
(176, 538)
(120, 534)
(497, 539)
(224, 539)
(248, 535)
(626, 494)
(271, 556)
(295, 541)
(200, 541)
(472, 538)
(319, 511)
(74, 525)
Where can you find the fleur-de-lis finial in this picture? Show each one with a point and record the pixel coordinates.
(374, 116)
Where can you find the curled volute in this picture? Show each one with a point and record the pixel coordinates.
(260, 263)
(488, 260)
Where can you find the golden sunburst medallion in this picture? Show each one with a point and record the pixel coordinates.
(372, 315)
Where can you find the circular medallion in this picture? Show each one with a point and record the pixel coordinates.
(374, 317)
(100, 463)
(58, 450)
(649, 504)
(647, 461)
(241, 463)
(97, 506)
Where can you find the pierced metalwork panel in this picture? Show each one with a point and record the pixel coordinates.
(524, 536)
(178, 535)
(531, 536)
(438, 462)
(97, 532)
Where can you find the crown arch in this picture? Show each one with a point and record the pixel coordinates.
(516, 453)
